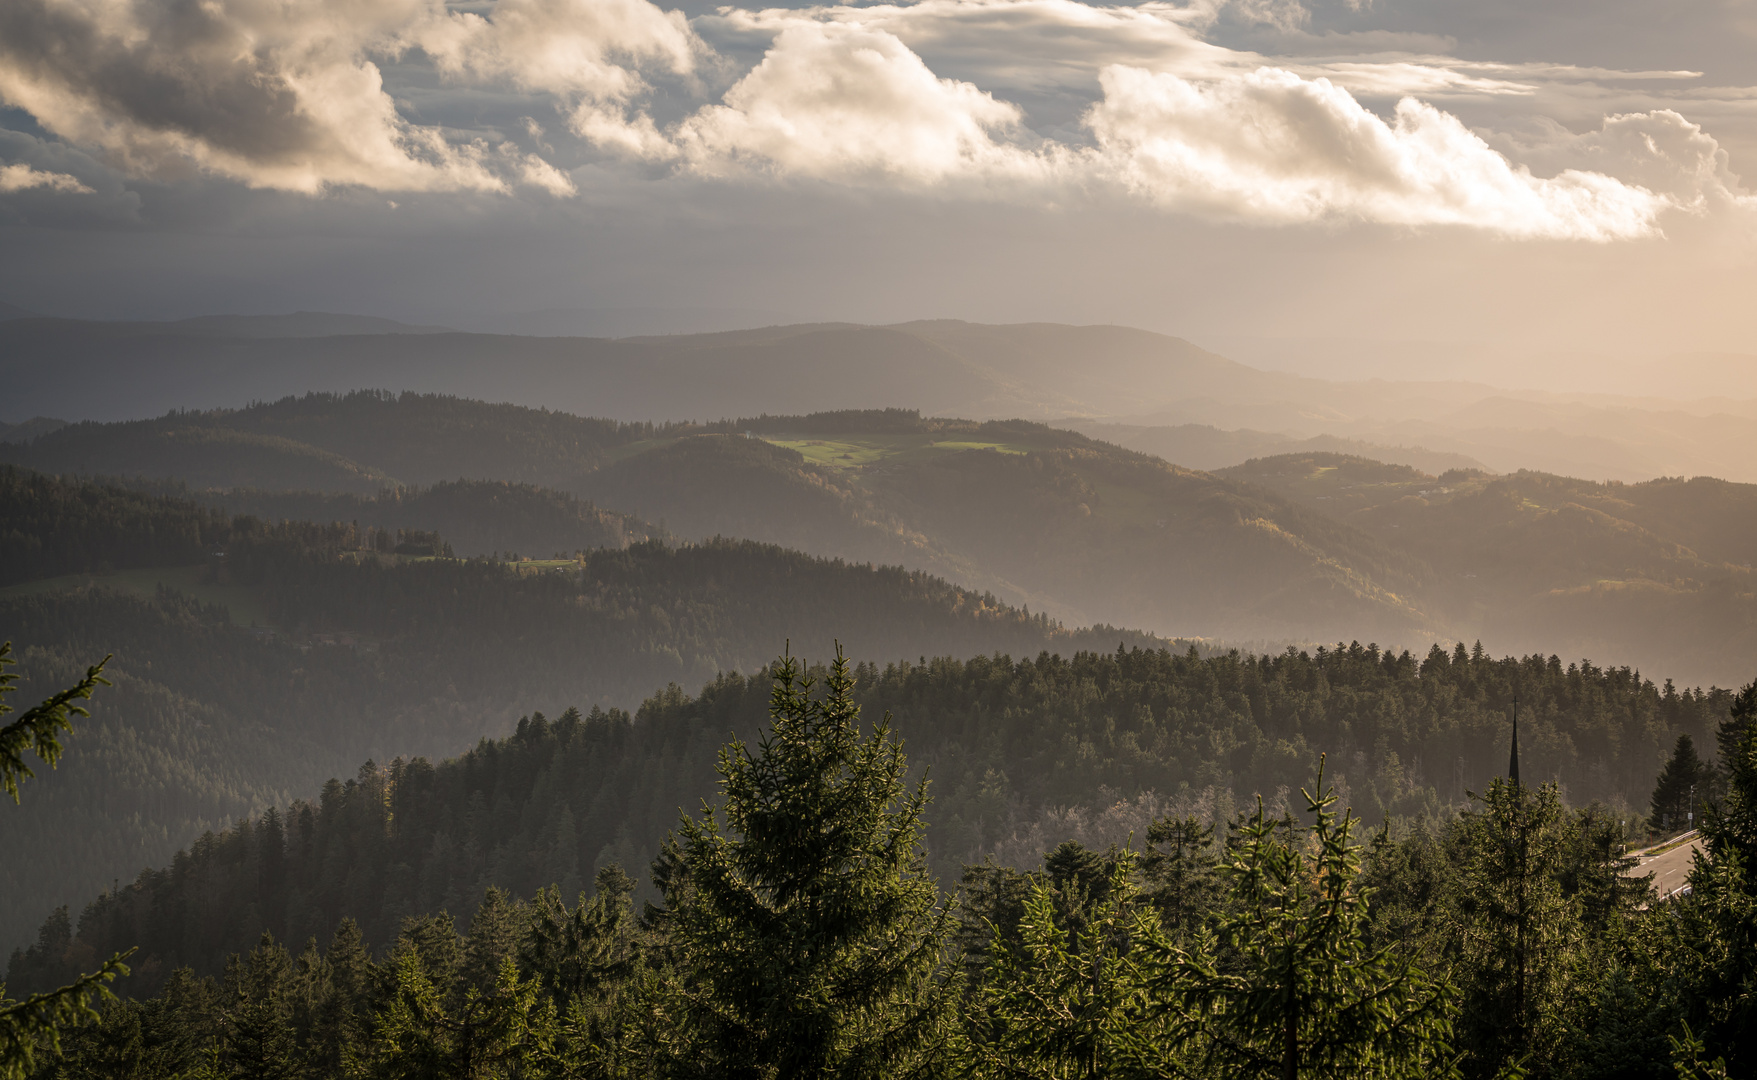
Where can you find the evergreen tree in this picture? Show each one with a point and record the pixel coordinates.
(36, 1023)
(342, 1008)
(812, 941)
(438, 1021)
(585, 960)
(1181, 872)
(1067, 1002)
(578, 953)
(1286, 983)
(494, 935)
(1711, 963)
(1519, 932)
(1676, 793)
(260, 1042)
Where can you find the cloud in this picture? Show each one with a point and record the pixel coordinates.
(839, 102)
(1659, 150)
(293, 96)
(947, 96)
(589, 53)
(275, 95)
(1272, 147)
(21, 177)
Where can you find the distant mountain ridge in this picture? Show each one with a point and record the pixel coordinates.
(1040, 371)
(1202, 446)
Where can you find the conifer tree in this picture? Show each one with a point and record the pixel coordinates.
(1680, 785)
(27, 1027)
(1285, 984)
(438, 1021)
(1518, 932)
(1713, 934)
(585, 960)
(1181, 872)
(812, 941)
(1068, 1002)
(494, 935)
(342, 1010)
(260, 1043)
(576, 953)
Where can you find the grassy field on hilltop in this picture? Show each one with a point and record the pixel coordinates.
(856, 451)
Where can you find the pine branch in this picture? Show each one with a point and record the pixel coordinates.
(38, 730)
(35, 1024)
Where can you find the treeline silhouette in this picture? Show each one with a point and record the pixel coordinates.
(338, 442)
(1508, 939)
(1003, 741)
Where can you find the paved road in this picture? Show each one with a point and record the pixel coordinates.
(1670, 869)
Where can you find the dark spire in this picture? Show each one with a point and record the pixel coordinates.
(1513, 758)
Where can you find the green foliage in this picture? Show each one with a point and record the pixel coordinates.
(1520, 933)
(424, 1033)
(53, 527)
(34, 1024)
(1708, 952)
(1675, 793)
(260, 1038)
(1063, 1002)
(1007, 740)
(1181, 872)
(812, 941)
(39, 728)
(1287, 983)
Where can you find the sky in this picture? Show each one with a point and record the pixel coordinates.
(1433, 182)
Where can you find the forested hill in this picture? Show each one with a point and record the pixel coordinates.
(1305, 547)
(1661, 570)
(349, 442)
(357, 651)
(476, 517)
(1021, 754)
(1085, 530)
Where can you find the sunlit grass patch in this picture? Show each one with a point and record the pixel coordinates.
(854, 453)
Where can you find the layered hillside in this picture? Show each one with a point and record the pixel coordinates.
(257, 659)
(1052, 519)
(1658, 574)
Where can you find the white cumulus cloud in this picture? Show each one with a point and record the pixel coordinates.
(833, 101)
(589, 53)
(20, 177)
(1271, 146)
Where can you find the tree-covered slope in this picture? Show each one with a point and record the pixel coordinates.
(353, 442)
(193, 449)
(50, 527)
(1657, 574)
(1004, 742)
(476, 517)
(366, 653)
(1049, 518)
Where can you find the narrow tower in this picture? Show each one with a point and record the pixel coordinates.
(1513, 758)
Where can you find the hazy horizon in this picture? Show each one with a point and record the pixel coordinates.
(1549, 196)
